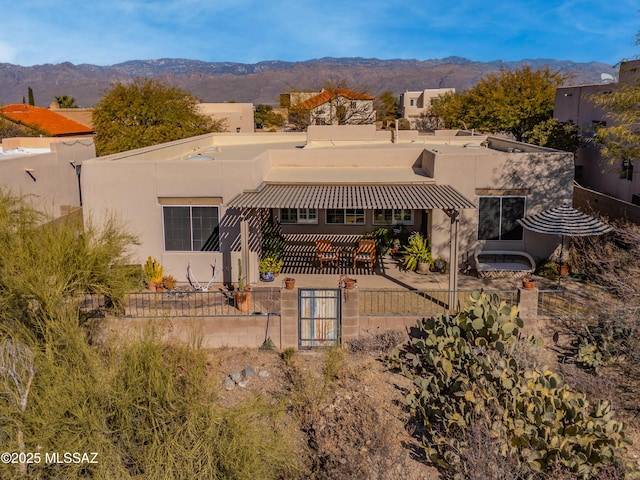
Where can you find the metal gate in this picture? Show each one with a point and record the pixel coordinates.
(318, 317)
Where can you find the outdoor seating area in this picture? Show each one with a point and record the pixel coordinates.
(328, 254)
(365, 253)
(497, 263)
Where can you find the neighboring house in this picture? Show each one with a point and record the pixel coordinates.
(44, 121)
(238, 117)
(336, 106)
(573, 104)
(187, 200)
(414, 105)
(46, 170)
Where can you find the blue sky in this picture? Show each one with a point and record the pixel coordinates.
(106, 32)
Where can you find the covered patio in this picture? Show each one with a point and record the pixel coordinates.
(299, 250)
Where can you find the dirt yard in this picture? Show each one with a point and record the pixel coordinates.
(367, 400)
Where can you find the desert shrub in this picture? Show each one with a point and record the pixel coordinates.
(379, 343)
(288, 353)
(165, 418)
(547, 269)
(612, 260)
(465, 374)
(169, 282)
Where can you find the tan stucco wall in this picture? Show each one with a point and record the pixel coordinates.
(56, 186)
(547, 176)
(574, 103)
(128, 185)
(238, 117)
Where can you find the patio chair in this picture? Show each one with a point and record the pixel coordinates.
(325, 253)
(365, 253)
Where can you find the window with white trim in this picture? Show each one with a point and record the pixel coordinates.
(189, 228)
(396, 216)
(298, 215)
(346, 216)
(497, 218)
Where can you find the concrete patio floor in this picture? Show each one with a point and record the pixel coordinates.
(388, 274)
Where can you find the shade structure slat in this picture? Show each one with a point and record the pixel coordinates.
(408, 196)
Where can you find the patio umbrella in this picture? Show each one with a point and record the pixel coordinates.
(564, 221)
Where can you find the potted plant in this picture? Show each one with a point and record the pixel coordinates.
(395, 247)
(528, 284)
(243, 293)
(347, 282)
(440, 265)
(289, 283)
(417, 254)
(153, 274)
(269, 267)
(169, 282)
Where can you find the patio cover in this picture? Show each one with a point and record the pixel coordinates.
(413, 196)
(367, 196)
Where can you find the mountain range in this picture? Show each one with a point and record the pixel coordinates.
(263, 82)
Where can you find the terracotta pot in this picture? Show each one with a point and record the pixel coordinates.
(528, 284)
(423, 267)
(349, 283)
(563, 270)
(243, 299)
(289, 283)
(151, 286)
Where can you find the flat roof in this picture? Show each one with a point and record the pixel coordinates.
(344, 175)
(22, 152)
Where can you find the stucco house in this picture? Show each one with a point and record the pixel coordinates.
(414, 104)
(202, 200)
(618, 180)
(46, 170)
(335, 106)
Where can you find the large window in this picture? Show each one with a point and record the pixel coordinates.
(298, 215)
(497, 218)
(389, 216)
(191, 229)
(351, 216)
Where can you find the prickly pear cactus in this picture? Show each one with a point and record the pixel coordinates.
(463, 368)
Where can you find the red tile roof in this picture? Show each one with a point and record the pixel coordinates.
(49, 122)
(326, 95)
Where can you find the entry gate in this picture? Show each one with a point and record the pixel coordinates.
(318, 317)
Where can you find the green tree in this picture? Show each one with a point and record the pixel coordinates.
(31, 98)
(510, 102)
(66, 101)
(553, 133)
(621, 138)
(147, 112)
(9, 128)
(265, 117)
(386, 105)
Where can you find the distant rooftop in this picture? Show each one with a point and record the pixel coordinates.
(22, 151)
(51, 123)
